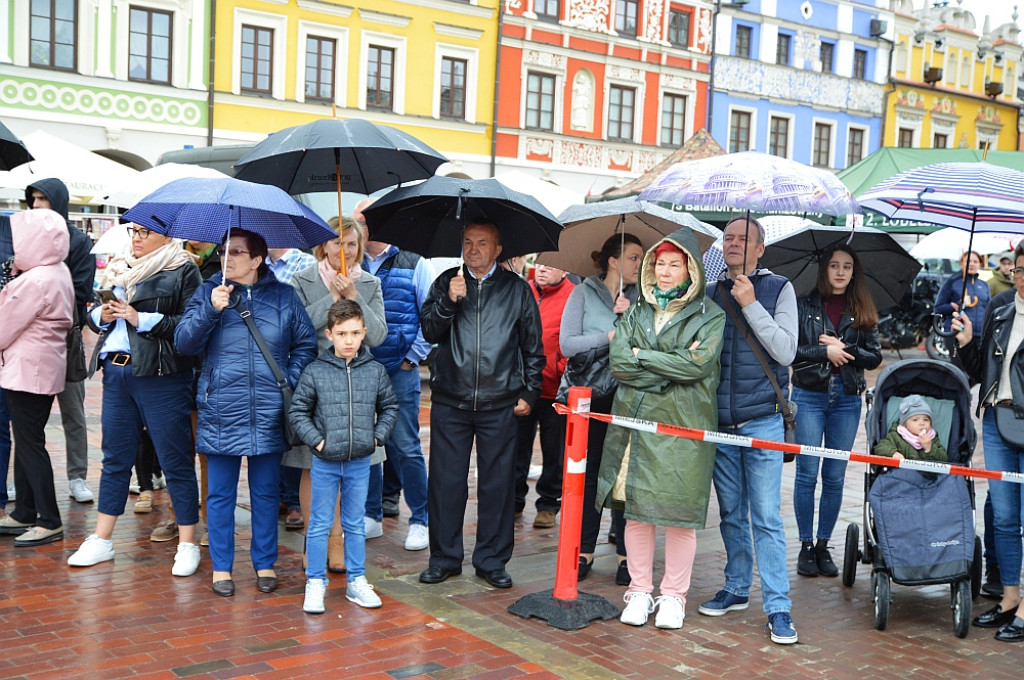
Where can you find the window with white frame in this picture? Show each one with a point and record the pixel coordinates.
(826, 54)
(821, 149)
(678, 27)
(259, 49)
(546, 10)
(778, 136)
(383, 72)
(626, 16)
(321, 56)
(621, 113)
(856, 140)
(453, 88)
(256, 66)
(53, 34)
(540, 101)
(739, 131)
(149, 45)
(673, 119)
(322, 71)
(860, 63)
(455, 78)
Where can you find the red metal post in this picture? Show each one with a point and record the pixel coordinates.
(574, 474)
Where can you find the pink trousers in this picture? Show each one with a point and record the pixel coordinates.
(680, 549)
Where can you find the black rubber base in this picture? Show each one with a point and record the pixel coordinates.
(565, 614)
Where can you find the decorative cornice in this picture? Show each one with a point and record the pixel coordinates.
(343, 11)
(457, 31)
(384, 18)
(451, 6)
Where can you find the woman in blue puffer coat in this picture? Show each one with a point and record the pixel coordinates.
(241, 410)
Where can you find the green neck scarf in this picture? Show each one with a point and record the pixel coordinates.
(663, 297)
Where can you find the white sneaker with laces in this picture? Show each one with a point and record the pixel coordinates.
(159, 482)
(314, 601)
(186, 560)
(80, 491)
(418, 538)
(638, 607)
(670, 612)
(373, 528)
(361, 592)
(93, 551)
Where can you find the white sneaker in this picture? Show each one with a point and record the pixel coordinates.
(159, 482)
(373, 528)
(638, 607)
(186, 560)
(361, 592)
(11, 495)
(314, 602)
(418, 538)
(670, 612)
(93, 551)
(80, 491)
(133, 488)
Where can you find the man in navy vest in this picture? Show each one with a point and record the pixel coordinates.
(405, 280)
(747, 480)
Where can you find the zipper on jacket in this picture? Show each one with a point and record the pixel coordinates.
(253, 351)
(479, 306)
(351, 411)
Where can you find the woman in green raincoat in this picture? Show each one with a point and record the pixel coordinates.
(665, 356)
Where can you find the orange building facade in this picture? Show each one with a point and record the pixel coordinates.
(594, 92)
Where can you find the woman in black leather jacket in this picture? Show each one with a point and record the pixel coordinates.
(1002, 386)
(838, 342)
(146, 382)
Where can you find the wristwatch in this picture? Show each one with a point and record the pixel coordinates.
(412, 364)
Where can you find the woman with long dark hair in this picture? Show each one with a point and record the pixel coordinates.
(588, 322)
(838, 342)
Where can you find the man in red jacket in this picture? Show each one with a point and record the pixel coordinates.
(551, 288)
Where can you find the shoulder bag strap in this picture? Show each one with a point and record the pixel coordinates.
(282, 382)
(741, 324)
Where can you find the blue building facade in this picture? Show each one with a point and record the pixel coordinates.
(801, 79)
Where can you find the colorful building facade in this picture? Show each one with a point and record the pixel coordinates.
(952, 86)
(594, 92)
(128, 77)
(802, 80)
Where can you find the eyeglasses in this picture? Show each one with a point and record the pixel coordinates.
(1017, 272)
(233, 252)
(141, 232)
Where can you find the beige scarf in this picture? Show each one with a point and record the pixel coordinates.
(129, 272)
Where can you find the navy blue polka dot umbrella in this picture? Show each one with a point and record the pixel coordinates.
(204, 209)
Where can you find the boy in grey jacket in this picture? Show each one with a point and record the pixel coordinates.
(342, 409)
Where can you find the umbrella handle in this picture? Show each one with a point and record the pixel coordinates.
(938, 325)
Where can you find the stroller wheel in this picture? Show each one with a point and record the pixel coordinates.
(880, 595)
(961, 605)
(851, 555)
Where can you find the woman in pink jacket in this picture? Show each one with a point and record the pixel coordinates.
(36, 308)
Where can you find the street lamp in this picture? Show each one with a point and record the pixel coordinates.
(737, 4)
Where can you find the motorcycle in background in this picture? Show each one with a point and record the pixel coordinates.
(909, 323)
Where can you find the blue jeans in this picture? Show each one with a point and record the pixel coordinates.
(1007, 499)
(833, 416)
(222, 494)
(163, 404)
(5, 447)
(404, 452)
(748, 483)
(351, 478)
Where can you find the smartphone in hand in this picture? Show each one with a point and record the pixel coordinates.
(106, 295)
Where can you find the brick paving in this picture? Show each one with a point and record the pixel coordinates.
(131, 618)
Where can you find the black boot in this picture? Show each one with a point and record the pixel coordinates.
(806, 563)
(826, 567)
(993, 586)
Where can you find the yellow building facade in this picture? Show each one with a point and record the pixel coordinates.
(952, 86)
(424, 66)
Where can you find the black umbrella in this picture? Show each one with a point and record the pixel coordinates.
(363, 156)
(12, 152)
(428, 218)
(887, 268)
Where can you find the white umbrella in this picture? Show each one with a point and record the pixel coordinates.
(85, 173)
(950, 243)
(553, 197)
(114, 241)
(148, 181)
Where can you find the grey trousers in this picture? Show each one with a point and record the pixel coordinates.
(72, 415)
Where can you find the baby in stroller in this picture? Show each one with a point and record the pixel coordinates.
(911, 435)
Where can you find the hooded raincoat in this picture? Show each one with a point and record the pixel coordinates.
(658, 479)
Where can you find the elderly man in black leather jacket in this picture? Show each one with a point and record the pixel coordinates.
(487, 369)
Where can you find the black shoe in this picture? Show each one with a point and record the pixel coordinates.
(584, 568)
(1012, 632)
(612, 538)
(438, 574)
(498, 578)
(993, 618)
(826, 567)
(266, 584)
(389, 507)
(993, 586)
(807, 562)
(224, 588)
(622, 577)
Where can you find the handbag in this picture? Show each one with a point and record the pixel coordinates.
(282, 382)
(788, 407)
(1010, 425)
(588, 369)
(76, 369)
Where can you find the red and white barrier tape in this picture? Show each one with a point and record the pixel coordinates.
(821, 452)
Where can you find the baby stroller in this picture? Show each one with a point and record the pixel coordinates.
(919, 527)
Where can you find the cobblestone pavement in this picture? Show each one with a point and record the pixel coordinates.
(131, 618)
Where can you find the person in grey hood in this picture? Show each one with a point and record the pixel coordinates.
(51, 193)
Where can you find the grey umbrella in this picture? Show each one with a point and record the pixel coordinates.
(12, 151)
(588, 226)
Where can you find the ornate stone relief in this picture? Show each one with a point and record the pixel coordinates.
(909, 115)
(590, 15)
(653, 24)
(704, 31)
(679, 83)
(545, 59)
(624, 73)
(591, 155)
(806, 48)
(582, 101)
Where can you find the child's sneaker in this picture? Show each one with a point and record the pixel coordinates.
(638, 607)
(314, 602)
(360, 592)
(670, 612)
